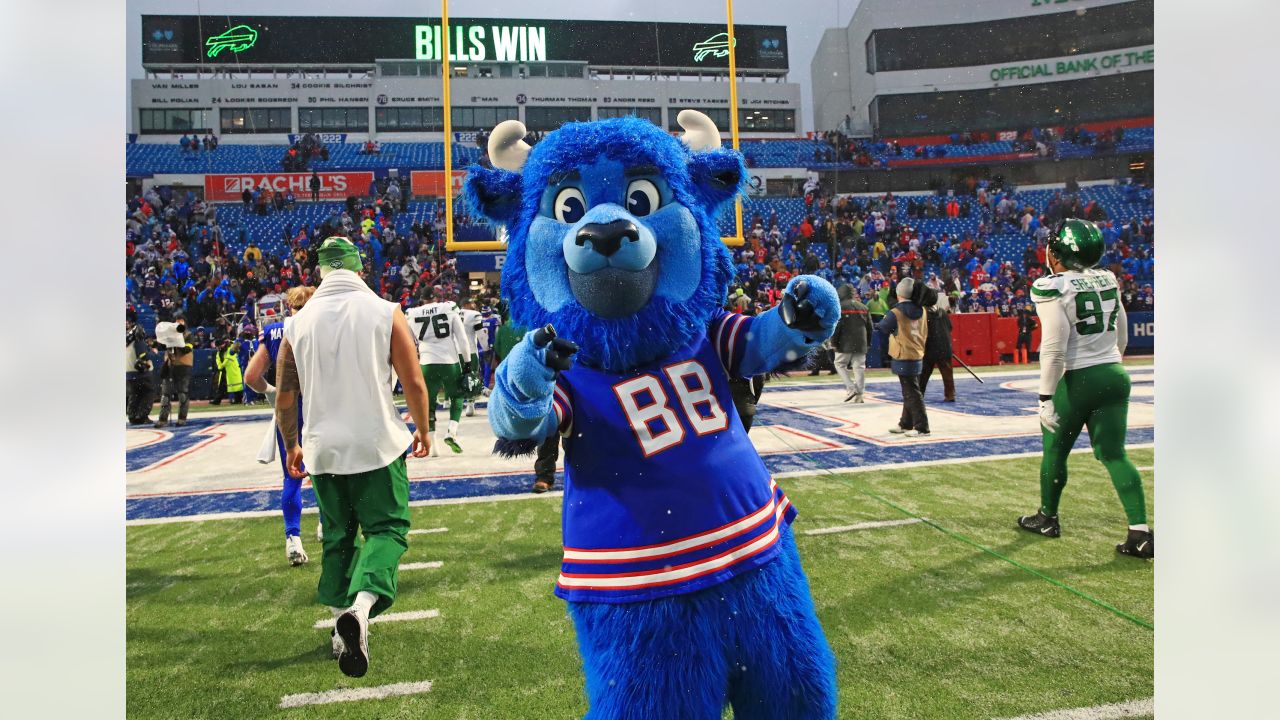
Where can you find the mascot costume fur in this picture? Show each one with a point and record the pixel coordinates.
(680, 569)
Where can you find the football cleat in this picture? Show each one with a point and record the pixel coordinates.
(352, 629)
(453, 444)
(897, 430)
(335, 643)
(1040, 524)
(916, 433)
(293, 550)
(1139, 544)
(851, 396)
(471, 409)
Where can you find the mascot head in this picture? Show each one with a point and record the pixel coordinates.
(611, 232)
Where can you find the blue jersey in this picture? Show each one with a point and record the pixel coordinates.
(271, 336)
(664, 494)
(488, 332)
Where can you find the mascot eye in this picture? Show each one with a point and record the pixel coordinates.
(642, 197)
(570, 205)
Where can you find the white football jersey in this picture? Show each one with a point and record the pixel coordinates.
(441, 336)
(472, 321)
(1091, 300)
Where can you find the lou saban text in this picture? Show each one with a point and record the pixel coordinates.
(1076, 66)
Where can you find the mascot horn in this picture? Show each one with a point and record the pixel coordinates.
(680, 569)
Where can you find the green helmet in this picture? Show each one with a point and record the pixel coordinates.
(1077, 244)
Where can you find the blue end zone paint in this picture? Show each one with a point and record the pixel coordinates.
(989, 400)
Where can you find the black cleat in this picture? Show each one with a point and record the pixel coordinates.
(1040, 524)
(1139, 544)
(353, 630)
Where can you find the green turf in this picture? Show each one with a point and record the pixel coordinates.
(924, 625)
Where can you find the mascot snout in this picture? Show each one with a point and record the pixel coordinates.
(612, 272)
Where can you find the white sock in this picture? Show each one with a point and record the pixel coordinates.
(453, 428)
(364, 602)
(1143, 527)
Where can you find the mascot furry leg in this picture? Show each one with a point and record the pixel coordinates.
(668, 658)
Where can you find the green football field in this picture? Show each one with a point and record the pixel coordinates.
(959, 616)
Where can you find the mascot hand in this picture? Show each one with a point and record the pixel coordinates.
(533, 363)
(810, 305)
(558, 352)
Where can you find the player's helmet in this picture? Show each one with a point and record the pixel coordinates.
(1077, 244)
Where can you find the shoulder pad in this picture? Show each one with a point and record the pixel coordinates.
(1047, 288)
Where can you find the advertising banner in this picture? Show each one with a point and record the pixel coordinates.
(431, 182)
(333, 185)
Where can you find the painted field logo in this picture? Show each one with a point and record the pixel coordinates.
(716, 46)
(237, 40)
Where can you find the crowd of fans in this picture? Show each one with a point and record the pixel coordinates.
(871, 243)
(299, 155)
(178, 262)
(193, 143)
(874, 152)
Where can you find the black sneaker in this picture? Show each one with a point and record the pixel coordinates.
(353, 630)
(1139, 544)
(1040, 524)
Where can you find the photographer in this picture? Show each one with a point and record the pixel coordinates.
(175, 373)
(908, 330)
(139, 392)
(937, 349)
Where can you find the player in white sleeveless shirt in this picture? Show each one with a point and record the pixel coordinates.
(444, 353)
(339, 352)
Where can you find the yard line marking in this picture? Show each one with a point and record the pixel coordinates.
(554, 494)
(422, 565)
(1147, 468)
(1114, 711)
(386, 617)
(312, 511)
(428, 531)
(862, 526)
(923, 463)
(352, 694)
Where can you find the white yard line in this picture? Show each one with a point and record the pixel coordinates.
(387, 617)
(1147, 468)
(861, 526)
(428, 531)
(555, 494)
(422, 565)
(929, 463)
(1114, 711)
(313, 511)
(352, 694)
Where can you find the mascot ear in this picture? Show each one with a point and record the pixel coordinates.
(718, 176)
(493, 194)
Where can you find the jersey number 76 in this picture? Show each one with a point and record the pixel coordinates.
(438, 323)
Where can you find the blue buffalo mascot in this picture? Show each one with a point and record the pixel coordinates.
(680, 570)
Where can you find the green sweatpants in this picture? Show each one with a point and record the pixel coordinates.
(377, 502)
(443, 377)
(1096, 397)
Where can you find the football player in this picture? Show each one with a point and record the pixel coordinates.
(1084, 332)
(473, 323)
(258, 375)
(444, 350)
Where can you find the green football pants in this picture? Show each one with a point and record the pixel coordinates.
(443, 377)
(1098, 398)
(377, 502)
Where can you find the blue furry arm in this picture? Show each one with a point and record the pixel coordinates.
(771, 343)
(520, 404)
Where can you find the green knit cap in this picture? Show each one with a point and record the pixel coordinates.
(340, 254)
